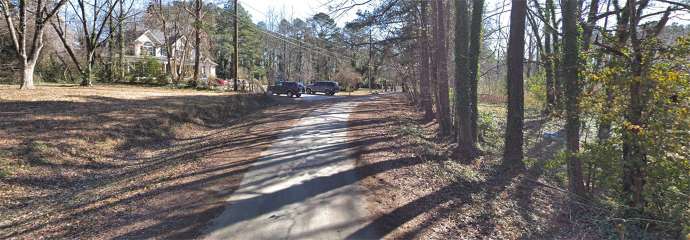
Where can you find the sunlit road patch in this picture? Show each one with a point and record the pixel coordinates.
(305, 185)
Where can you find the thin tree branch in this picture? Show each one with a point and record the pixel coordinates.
(683, 5)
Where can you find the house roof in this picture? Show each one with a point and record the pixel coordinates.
(150, 34)
(133, 34)
(157, 34)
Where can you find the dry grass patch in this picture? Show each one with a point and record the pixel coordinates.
(124, 161)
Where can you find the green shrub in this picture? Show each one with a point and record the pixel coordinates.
(490, 133)
(535, 88)
(53, 70)
(148, 70)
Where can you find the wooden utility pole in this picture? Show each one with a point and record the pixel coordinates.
(235, 55)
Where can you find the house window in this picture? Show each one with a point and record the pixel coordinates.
(148, 49)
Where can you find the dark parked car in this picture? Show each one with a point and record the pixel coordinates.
(292, 89)
(326, 87)
(301, 87)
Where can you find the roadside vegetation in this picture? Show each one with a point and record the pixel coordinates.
(605, 80)
(420, 190)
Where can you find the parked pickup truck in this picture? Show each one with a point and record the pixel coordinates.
(326, 87)
(292, 89)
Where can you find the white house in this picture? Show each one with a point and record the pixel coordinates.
(149, 44)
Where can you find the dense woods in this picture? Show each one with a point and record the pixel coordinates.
(614, 76)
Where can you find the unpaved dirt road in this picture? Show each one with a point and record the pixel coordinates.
(303, 187)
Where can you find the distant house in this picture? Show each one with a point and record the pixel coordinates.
(150, 44)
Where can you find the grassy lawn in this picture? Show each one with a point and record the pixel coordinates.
(125, 161)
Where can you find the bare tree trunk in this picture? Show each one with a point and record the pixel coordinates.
(29, 64)
(634, 158)
(236, 47)
(441, 53)
(463, 112)
(475, 46)
(548, 68)
(183, 61)
(197, 42)
(570, 67)
(512, 155)
(28, 75)
(530, 56)
(87, 78)
(111, 42)
(557, 82)
(588, 27)
(168, 41)
(424, 68)
(121, 42)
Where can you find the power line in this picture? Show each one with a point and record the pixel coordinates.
(267, 17)
(294, 39)
(291, 41)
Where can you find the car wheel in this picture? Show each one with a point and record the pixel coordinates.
(290, 94)
(309, 91)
